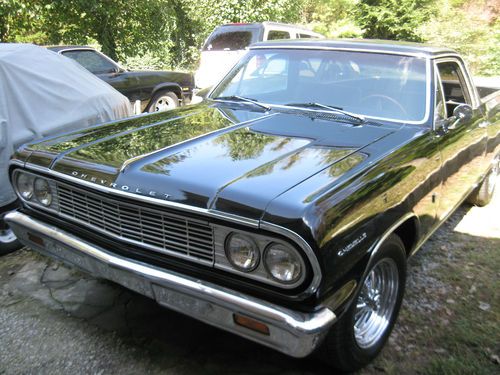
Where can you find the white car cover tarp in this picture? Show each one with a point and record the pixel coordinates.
(43, 93)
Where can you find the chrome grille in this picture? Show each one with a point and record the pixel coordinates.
(160, 231)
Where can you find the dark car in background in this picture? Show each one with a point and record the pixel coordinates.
(156, 90)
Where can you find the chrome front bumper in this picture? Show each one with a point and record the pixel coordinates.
(291, 332)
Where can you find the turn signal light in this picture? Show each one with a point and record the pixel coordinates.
(252, 324)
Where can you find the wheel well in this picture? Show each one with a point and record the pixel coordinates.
(407, 231)
(176, 90)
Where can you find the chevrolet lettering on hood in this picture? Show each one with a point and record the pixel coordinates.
(114, 185)
(284, 206)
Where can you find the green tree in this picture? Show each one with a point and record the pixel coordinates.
(332, 18)
(392, 19)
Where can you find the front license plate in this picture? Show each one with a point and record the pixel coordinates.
(129, 280)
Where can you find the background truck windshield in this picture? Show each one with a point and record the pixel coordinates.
(228, 38)
(376, 85)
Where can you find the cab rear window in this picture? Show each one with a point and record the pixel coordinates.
(229, 40)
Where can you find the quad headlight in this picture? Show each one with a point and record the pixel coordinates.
(24, 185)
(263, 258)
(283, 263)
(242, 252)
(43, 192)
(33, 189)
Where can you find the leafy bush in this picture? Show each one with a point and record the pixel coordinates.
(470, 33)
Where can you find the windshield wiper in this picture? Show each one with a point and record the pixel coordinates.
(243, 99)
(329, 107)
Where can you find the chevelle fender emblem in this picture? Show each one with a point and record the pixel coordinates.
(352, 245)
(113, 185)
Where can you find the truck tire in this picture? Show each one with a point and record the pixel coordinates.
(360, 334)
(163, 101)
(486, 190)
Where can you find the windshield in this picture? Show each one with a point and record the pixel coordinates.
(231, 39)
(377, 85)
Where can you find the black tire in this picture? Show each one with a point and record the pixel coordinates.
(171, 101)
(483, 195)
(8, 241)
(342, 349)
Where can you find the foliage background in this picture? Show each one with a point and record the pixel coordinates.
(167, 34)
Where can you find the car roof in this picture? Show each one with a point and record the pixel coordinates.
(368, 45)
(63, 48)
(270, 23)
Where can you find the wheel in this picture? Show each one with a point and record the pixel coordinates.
(163, 101)
(361, 332)
(484, 193)
(8, 240)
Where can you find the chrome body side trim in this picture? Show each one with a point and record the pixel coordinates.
(291, 332)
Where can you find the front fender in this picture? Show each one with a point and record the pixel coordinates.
(170, 86)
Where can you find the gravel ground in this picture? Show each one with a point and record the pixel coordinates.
(55, 320)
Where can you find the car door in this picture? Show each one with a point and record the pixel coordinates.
(462, 144)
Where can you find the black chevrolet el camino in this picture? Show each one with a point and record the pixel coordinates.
(284, 207)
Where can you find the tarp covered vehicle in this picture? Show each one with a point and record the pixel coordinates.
(42, 94)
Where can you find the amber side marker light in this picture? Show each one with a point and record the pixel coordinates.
(252, 324)
(35, 239)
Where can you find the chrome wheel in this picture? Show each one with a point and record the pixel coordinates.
(164, 103)
(376, 302)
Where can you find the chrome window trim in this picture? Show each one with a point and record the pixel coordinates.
(416, 55)
(437, 81)
(465, 75)
(326, 48)
(235, 219)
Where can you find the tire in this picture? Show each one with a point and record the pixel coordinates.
(345, 348)
(163, 101)
(8, 240)
(486, 190)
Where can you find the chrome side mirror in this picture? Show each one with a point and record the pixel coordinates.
(461, 114)
(204, 92)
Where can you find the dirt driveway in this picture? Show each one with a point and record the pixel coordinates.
(55, 320)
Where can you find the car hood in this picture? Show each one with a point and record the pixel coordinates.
(213, 157)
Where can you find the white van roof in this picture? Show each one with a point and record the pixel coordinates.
(277, 24)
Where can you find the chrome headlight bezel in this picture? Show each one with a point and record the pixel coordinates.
(34, 200)
(260, 272)
(291, 252)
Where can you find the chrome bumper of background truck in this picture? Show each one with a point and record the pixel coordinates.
(291, 332)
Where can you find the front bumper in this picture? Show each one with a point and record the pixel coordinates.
(291, 332)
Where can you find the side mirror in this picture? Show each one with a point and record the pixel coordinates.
(204, 92)
(461, 114)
